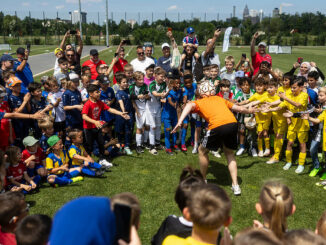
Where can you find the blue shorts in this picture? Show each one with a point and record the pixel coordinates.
(31, 172)
(169, 123)
(186, 120)
(201, 123)
(123, 125)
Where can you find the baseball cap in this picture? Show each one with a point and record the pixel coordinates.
(62, 76)
(239, 74)
(262, 44)
(93, 52)
(13, 81)
(57, 50)
(73, 77)
(103, 79)
(20, 50)
(53, 140)
(190, 30)
(150, 66)
(164, 45)
(29, 141)
(6, 57)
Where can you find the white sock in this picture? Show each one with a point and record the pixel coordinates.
(146, 133)
(152, 136)
(158, 133)
(196, 145)
(139, 139)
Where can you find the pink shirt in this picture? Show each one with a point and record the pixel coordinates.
(147, 81)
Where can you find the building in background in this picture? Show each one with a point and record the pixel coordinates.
(276, 12)
(75, 17)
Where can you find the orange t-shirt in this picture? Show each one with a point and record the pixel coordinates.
(215, 110)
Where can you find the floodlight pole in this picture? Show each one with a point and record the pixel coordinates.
(107, 24)
(80, 21)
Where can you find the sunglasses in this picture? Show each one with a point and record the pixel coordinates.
(69, 55)
(142, 53)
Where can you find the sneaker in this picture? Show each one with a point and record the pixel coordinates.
(240, 151)
(98, 173)
(128, 151)
(236, 190)
(176, 148)
(195, 150)
(323, 177)
(299, 169)
(314, 172)
(106, 163)
(76, 179)
(267, 152)
(254, 152)
(169, 151)
(260, 153)
(139, 149)
(321, 183)
(183, 148)
(217, 154)
(287, 166)
(146, 145)
(159, 147)
(272, 161)
(153, 151)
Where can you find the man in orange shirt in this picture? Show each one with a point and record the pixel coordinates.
(222, 128)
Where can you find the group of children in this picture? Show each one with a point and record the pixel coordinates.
(206, 218)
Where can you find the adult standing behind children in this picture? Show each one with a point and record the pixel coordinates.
(7, 63)
(208, 57)
(165, 60)
(222, 128)
(261, 55)
(93, 63)
(23, 69)
(118, 63)
(141, 62)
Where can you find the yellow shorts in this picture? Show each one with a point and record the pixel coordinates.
(301, 135)
(263, 125)
(280, 126)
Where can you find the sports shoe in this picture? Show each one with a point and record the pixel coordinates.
(216, 154)
(105, 163)
(153, 151)
(260, 153)
(299, 169)
(240, 151)
(77, 178)
(267, 152)
(287, 166)
(236, 190)
(146, 145)
(254, 152)
(321, 183)
(323, 177)
(159, 147)
(195, 150)
(139, 149)
(183, 148)
(169, 151)
(128, 151)
(314, 172)
(176, 148)
(99, 173)
(272, 161)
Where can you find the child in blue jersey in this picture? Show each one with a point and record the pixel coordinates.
(169, 113)
(188, 95)
(57, 164)
(46, 125)
(192, 41)
(72, 104)
(123, 127)
(78, 156)
(46, 86)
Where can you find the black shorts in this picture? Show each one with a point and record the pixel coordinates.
(222, 135)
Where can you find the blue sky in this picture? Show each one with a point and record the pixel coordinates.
(158, 7)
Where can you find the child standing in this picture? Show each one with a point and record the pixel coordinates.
(46, 86)
(225, 90)
(64, 69)
(192, 41)
(228, 71)
(149, 76)
(85, 81)
(6, 130)
(214, 75)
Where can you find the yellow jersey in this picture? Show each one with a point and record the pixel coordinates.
(260, 117)
(287, 91)
(175, 240)
(322, 118)
(74, 150)
(52, 161)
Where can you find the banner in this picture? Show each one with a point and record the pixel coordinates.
(226, 42)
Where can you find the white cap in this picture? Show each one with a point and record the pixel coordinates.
(165, 45)
(262, 44)
(73, 76)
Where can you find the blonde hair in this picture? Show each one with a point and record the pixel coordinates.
(138, 75)
(159, 71)
(256, 236)
(72, 134)
(322, 90)
(209, 206)
(52, 81)
(321, 225)
(128, 67)
(276, 200)
(229, 58)
(46, 122)
(303, 237)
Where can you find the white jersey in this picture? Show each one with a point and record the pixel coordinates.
(154, 104)
(57, 112)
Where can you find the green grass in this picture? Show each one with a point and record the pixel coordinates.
(35, 49)
(154, 178)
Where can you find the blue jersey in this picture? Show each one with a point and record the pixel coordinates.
(45, 94)
(192, 40)
(26, 76)
(107, 96)
(125, 97)
(20, 126)
(38, 105)
(70, 98)
(44, 142)
(168, 110)
(190, 92)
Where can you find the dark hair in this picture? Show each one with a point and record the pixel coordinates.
(188, 179)
(303, 236)
(299, 80)
(92, 88)
(243, 80)
(72, 133)
(140, 47)
(10, 203)
(265, 62)
(314, 75)
(273, 83)
(7, 74)
(62, 60)
(85, 68)
(32, 87)
(225, 83)
(259, 81)
(119, 76)
(70, 50)
(34, 230)
(214, 66)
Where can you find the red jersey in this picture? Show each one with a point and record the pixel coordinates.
(221, 94)
(257, 59)
(119, 66)
(93, 66)
(39, 156)
(7, 238)
(93, 110)
(5, 126)
(16, 172)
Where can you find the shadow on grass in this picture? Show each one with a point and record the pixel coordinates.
(221, 174)
(248, 165)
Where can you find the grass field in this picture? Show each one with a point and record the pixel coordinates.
(154, 178)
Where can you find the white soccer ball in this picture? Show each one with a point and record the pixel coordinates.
(206, 89)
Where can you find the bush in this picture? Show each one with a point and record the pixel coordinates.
(88, 40)
(37, 41)
(116, 40)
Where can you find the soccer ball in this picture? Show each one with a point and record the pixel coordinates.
(206, 89)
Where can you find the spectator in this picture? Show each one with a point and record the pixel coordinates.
(73, 62)
(118, 62)
(58, 52)
(68, 46)
(260, 56)
(23, 69)
(7, 63)
(165, 60)
(141, 62)
(93, 63)
(208, 57)
(149, 52)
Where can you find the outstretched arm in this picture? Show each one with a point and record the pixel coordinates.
(253, 43)
(188, 108)
(210, 46)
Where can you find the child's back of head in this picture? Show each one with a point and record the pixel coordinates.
(303, 237)
(321, 226)
(209, 207)
(256, 236)
(34, 230)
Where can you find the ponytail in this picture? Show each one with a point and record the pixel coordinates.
(278, 221)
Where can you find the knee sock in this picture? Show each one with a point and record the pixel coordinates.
(174, 139)
(37, 179)
(127, 138)
(267, 143)
(167, 139)
(183, 136)
(139, 139)
(158, 134)
(278, 143)
(95, 165)
(288, 156)
(302, 158)
(88, 171)
(74, 173)
(152, 136)
(62, 181)
(146, 133)
(260, 144)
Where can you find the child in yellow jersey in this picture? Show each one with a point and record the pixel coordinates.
(298, 128)
(286, 84)
(321, 118)
(263, 120)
